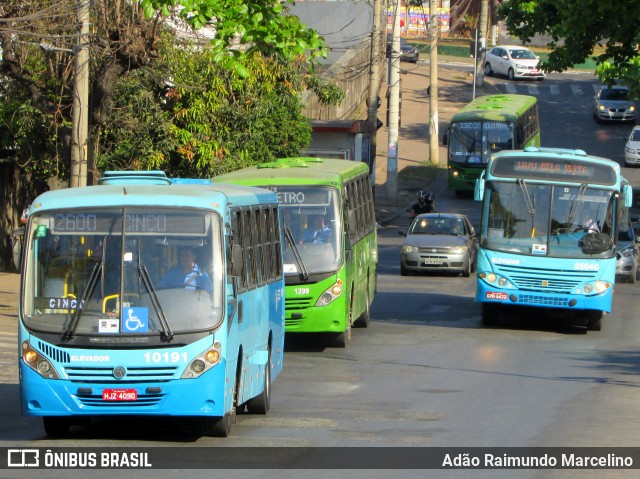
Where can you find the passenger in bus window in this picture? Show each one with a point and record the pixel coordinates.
(316, 231)
(186, 274)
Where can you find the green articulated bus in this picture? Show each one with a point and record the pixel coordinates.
(331, 253)
(487, 125)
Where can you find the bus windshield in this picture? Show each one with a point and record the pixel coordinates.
(113, 272)
(311, 214)
(473, 141)
(549, 220)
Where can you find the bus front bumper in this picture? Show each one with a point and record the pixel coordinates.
(486, 293)
(204, 396)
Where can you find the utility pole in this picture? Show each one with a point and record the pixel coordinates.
(433, 83)
(394, 107)
(482, 27)
(374, 86)
(80, 113)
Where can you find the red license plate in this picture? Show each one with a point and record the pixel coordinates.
(119, 394)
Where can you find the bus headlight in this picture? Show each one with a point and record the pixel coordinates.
(38, 362)
(491, 278)
(602, 286)
(588, 289)
(203, 362)
(502, 282)
(212, 356)
(44, 367)
(198, 366)
(330, 294)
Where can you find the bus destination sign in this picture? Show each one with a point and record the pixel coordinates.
(553, 169)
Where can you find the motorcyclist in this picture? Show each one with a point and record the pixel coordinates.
(425, 204)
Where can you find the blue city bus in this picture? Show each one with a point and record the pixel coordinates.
(547, 236)
(101, 330)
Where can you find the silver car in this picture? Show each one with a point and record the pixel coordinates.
(613, 104)
(444, 242)
(632, 148)
(627, 255)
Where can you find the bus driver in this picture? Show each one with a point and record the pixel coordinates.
(186, 274)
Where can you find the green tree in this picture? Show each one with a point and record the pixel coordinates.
(191, 117)
(576, 28)
(36, 66)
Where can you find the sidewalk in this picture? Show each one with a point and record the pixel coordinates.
(455, 89)
(9, 286)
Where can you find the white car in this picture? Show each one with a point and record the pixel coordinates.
(513, 61)
(632, 148)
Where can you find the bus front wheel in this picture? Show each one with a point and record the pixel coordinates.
(489, 314)
(594, 320)
(260, 404)
(56, 426)
(363, 319)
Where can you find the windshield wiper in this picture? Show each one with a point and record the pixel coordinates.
(296, 253)
(525, 192)
(87, 292)
(148, 284)
(575, 203)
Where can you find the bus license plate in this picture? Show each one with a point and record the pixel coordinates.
(119, 395)
(431, 261)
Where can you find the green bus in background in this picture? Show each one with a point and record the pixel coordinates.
(488, 124)
(331, 253)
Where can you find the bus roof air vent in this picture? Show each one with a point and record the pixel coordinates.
(290, 163)
(191, 181)
(134, 178)
(499, 98)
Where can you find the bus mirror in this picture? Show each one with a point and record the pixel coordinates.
(627, 191)
(237, 260)
(445, 137)
(478, 190)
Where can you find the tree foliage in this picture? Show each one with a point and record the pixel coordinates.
(191, 117)
(576, 27)
(261, 25)
(37, 39)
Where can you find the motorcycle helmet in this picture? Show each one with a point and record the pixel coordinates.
(429, 196)
(422, 195)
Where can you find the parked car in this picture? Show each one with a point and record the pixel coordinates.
(408, 53)
(613, 103)
(514, 61)
(627, 255)
(632, 148)
(439, 242)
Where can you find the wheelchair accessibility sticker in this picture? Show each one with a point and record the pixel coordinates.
(135, 320)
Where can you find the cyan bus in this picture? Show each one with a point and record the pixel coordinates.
(99, 336)
(548, 232)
